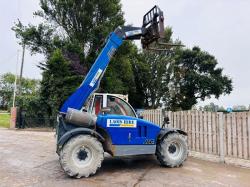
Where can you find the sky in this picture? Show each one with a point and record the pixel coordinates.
(220, 27)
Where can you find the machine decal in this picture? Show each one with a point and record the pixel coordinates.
(134, 32)
(96, 77)
(149, 141)
(111, 52)
(123, 123)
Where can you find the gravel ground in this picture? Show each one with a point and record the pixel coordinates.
(28, 158)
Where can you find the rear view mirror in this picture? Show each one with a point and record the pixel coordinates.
(166, 120)
(141, 117)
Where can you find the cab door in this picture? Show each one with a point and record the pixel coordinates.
(122, 122)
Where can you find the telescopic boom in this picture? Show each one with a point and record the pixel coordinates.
(151, 30)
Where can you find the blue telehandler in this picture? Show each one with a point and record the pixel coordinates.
(83, 135)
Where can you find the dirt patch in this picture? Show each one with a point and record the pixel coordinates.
(28, 158)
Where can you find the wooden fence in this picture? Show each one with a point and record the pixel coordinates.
(224, 136)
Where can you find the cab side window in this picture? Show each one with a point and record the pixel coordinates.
(119, 107)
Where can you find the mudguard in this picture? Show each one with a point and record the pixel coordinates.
(75, 132)
(166, 131)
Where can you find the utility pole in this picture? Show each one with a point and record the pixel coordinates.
(14, 92)
(21, 70)
(20, 113)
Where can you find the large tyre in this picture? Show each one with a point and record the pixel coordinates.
(81, 156)
(172, 150)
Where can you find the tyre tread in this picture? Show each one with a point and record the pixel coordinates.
(160, 151)
(66, 165)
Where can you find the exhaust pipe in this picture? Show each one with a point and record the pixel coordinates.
(80, 118)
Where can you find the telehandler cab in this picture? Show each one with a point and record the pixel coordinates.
(108, 123)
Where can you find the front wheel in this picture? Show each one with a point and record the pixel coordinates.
(172, 150)
(81, 156)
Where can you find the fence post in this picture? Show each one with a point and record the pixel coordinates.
(221, 137)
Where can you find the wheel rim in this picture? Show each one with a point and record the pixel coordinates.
(82, 156)
(174, 150)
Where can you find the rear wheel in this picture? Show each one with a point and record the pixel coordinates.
(81, 156)
(172, 150)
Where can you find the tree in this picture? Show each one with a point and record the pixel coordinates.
(239, 107)
(84, 23)
(211, 107)
(119, 77)
(71, 35)
(152, 75)
(6, 89)
(30, 87)
(58, 74)
(196, 77)
(221, 109)
(178, 78)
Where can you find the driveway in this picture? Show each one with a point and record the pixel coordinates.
(28, 158)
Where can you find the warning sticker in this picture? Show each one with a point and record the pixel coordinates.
(96, 77)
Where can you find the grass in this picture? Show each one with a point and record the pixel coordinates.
(5, 120)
